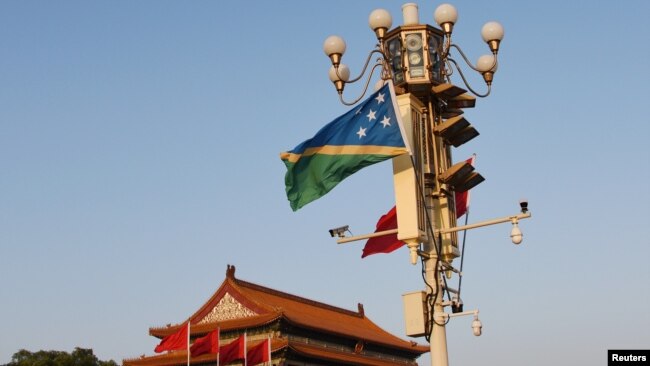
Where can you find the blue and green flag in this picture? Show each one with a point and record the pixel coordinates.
(369, 133)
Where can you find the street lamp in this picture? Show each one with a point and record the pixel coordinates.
(420, 61)
(418, 56)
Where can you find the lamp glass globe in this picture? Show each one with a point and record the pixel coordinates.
(485, 63)
(492, 31)
(380, 18)
(445, 13)
(343, 72)
(334, 45)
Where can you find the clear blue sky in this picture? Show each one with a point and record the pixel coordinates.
(139, 155)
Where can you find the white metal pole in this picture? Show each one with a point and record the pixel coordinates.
(366, 236)
(517, 217)
(440, 159)
(438, 339)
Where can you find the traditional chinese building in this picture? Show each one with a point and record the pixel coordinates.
(303, 332)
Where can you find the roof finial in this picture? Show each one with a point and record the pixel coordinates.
(230, 271)
(361, 312)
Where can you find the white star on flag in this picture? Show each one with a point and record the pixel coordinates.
(371, 115)
(385, 121)
(380, 98)
(361, 133)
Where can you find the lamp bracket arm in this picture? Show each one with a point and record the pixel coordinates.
(447, 47)
(445, 316)
(469, 87)
(448, 70)
(469, 63)
(365, 88)
(365, 67)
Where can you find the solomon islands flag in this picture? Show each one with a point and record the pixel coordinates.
(369, 133)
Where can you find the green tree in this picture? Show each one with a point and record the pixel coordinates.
(78, 357)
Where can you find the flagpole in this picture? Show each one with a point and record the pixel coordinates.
(245, 351)
(188, 341)
(270, 360)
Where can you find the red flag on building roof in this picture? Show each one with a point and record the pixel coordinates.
(174, 341)
(235, 350)
(259, 354)
(462, 199)
(385, 243)
(206, 344)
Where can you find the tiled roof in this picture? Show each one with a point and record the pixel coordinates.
(326, 318)
(326, 354)
(271, 305)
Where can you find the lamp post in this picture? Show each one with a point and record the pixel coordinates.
(419, 60)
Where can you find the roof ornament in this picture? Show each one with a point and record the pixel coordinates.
(361, 311)
(358, 348)
(230, 272)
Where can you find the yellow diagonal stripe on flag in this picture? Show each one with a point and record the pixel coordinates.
(345, 150)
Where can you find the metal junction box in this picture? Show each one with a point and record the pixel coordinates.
(415, 313)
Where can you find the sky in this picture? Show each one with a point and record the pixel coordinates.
(139, 155)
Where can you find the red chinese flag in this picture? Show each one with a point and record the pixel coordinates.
(235, 350)
(385, 243)
(174, 341)
(259, 354)
(462, 198)
(206, 344)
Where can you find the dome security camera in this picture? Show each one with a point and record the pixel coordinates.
(477, 327)
(515, 234)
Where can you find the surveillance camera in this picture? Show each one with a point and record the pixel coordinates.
(524, 205)
(477, 327)
(456, 305)
(339, 231)
(515, 234)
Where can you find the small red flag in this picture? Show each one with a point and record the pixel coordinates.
(206, 344)
(174, 341)
(259, 354)
(390, 243)
(235, 350)
(461, 203)
(462, 198)
(385, 243)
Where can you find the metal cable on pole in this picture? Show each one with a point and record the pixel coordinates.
(462, 254)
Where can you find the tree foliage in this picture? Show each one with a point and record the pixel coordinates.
(78, 357)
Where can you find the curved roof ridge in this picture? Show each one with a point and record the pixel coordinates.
(224, 325)
(229, 285)
(301, 299)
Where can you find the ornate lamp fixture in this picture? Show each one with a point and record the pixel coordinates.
(417, 57)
